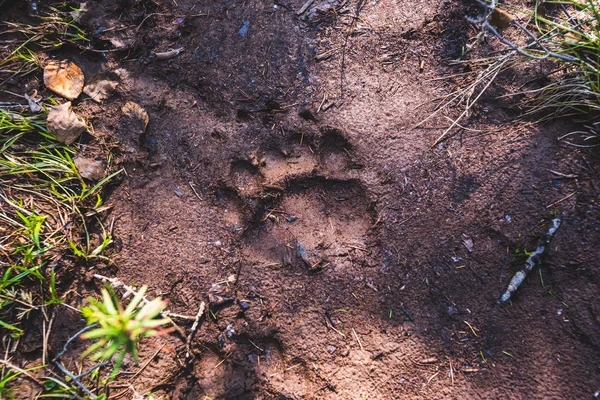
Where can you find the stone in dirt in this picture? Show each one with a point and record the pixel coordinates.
(64, 78)
(100, 90)
(138, 117)
(64, 124)
(34, 102)
(90, 168)
(219, 294)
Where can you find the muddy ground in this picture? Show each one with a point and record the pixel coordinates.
(282, 162)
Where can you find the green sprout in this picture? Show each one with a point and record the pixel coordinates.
(120, 330)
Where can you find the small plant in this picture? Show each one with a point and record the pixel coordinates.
(120, 329)
(9, 374)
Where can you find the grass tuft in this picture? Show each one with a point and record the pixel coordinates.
(562, 34)
(29, 41)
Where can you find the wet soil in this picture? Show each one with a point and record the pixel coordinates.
(282, 163)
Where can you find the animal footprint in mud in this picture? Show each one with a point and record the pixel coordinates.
(335, 155)
(317, 222)
(292, 161)
(328, 156)
(245, 178)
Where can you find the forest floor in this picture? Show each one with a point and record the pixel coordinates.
(282, 178)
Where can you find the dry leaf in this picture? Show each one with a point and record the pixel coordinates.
(501, 18)
(100, 90)
(137, 116)
(90, 169)
(64, 78)
(64, 124)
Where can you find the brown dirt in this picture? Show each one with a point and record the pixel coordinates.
(302, 133)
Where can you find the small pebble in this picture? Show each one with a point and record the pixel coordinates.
(243, 32)
(229, 331)
(177, 191)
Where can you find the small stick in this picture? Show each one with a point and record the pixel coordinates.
(561, 200)
(167, 55)
(95, 367)
(289, 106)
(74, 379)
(568, 176)
(432, 376)
(322, 102)
(451, 373)
(148, 362)
(533, 260)
(188, 341)
(471, 328)
(305, 7)
(72, 338)
(188, 317)
(45, 338)
(292, 367)
(274, 187)
(64, 350)
(334, 328)
(20, 370)
(194, 190)
(222, 361)
(255, 345)
(406, 220)
(357, 339)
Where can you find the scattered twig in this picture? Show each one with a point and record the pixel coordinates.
(471, 328)
(222, 361)
(188, 341)
(493, 71)
(561, 200)
(533, 260)
(72, 338)
(406, 312)
(75, 380)
(194, 190)
(45, 336)
(303, 9)
(432, 376)
(143, 367)
(357, 339)
(65, 371)
(12, 366)
(567, 176)
(167, 55)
